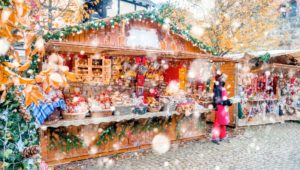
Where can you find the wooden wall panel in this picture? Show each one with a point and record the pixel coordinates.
(229, 68)
(128, 143)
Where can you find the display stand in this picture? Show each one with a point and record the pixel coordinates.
(283, 105)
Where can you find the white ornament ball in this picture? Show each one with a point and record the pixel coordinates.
(160, 144)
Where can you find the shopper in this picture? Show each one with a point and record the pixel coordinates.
(283, 10)
(220, 102)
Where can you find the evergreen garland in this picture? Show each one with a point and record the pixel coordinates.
(110, 133)
(106, 135)
(60, 138)
(265, 57)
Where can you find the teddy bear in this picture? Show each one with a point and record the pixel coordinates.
(56, 70)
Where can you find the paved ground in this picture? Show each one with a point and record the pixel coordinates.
(262, 147)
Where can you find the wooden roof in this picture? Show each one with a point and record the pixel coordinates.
(276, 66)
(77, 47)
(296, 55)
(111, 41)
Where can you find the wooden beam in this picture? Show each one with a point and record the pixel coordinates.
(276, 66)
(75, 47)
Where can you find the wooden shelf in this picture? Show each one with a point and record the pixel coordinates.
(204, 101)
(270, 119)
(276, 66)
(90, 68)
(262, 100)
(120, 118)
(97, 66)
(98, 76)
(83, 66)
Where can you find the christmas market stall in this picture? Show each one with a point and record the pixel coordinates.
(269, 89)
(138, 76)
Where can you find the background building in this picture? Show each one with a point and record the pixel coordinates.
(110, 8)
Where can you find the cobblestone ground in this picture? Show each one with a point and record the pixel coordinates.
(262, 147)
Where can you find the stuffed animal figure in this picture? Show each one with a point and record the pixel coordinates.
(56, 77)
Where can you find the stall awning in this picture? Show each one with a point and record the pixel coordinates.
(76, 47)
(276, 66)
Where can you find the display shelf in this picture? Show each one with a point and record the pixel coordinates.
(83, 66)
(262, 100)
(205, 101)
(276, 66)
(97, 66)
(268, 120)
(259, 120)
(89, 120)
(102, 66)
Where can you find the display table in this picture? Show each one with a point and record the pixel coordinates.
(70, 140)
(88, 120)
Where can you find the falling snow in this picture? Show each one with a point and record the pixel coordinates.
(4, 44)
(160, 144)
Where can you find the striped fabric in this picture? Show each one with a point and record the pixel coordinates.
(43, 110)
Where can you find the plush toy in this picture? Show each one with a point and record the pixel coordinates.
(56, 73)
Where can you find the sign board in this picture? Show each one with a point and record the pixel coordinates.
(142, 38)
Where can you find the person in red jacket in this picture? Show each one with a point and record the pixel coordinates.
(220, 102)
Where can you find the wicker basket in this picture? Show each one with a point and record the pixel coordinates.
(74, 116)
(104, 113)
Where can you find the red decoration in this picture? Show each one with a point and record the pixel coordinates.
(200, 86)
(140, 60)
(140, 80)
(292, 82)
(275, 84)
(171, 74)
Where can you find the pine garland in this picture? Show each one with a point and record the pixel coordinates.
(110, 133)
(265, 57)
(60, 138)
(106, 135)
